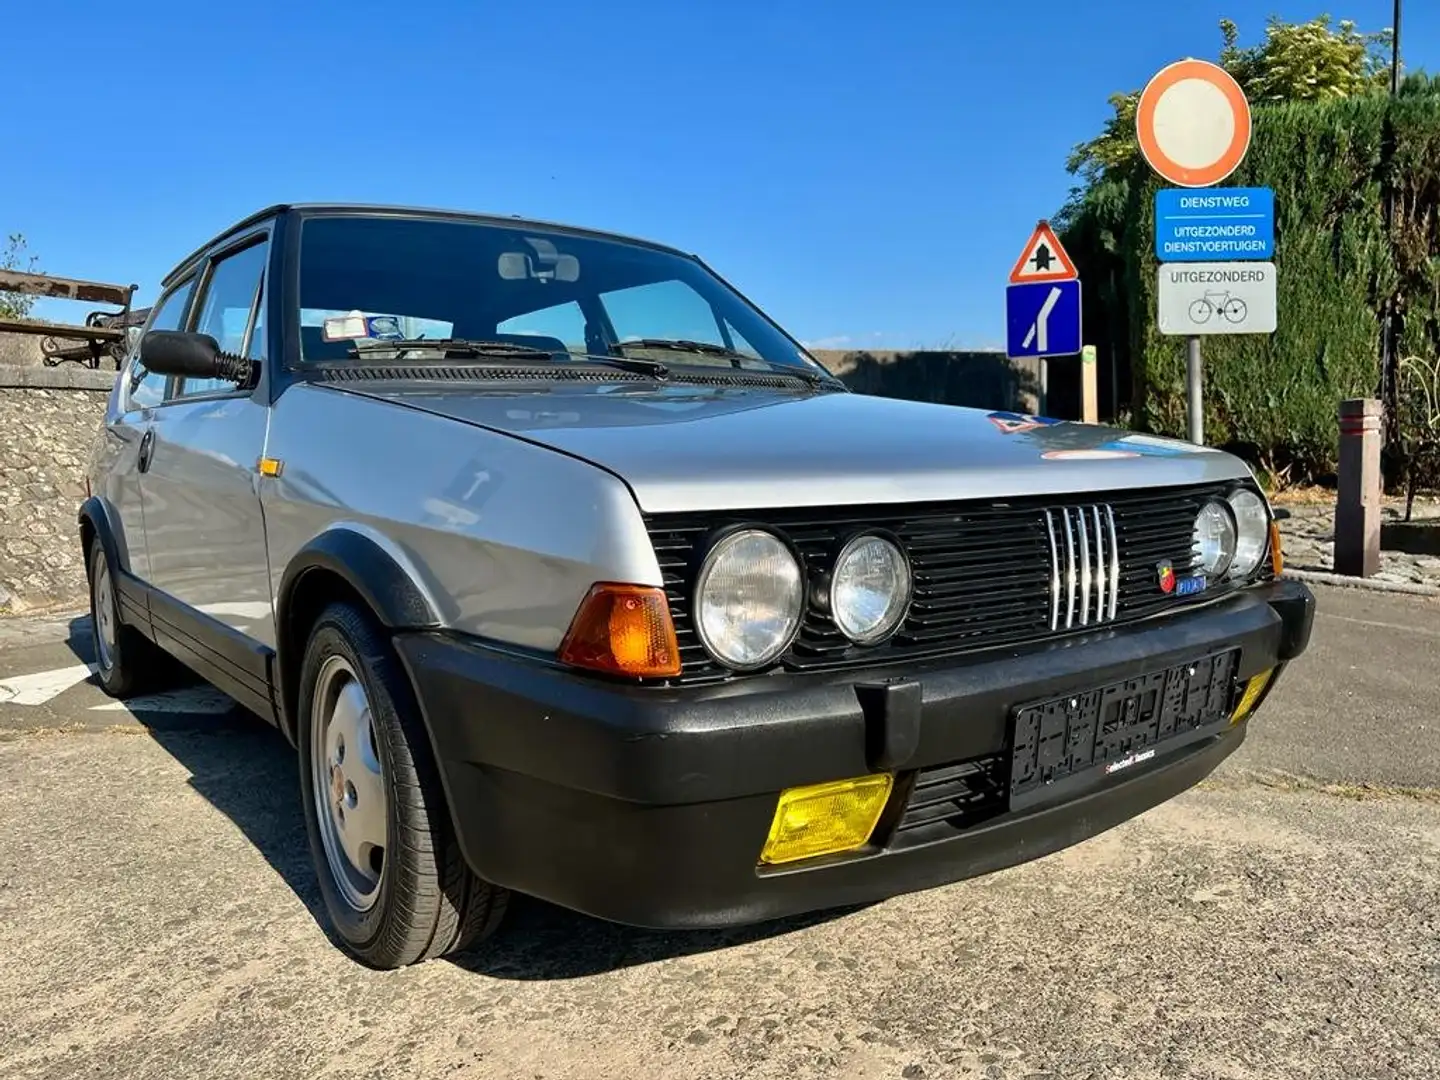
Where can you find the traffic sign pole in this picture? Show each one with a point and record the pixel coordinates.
(1194, 380)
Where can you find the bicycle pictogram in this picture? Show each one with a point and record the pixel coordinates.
(1230, 308)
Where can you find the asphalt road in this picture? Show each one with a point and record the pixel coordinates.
(158, 917)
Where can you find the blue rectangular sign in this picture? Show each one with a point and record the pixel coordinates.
(1214, 224)
(1042, 318)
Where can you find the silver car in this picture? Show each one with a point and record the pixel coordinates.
(568, 572)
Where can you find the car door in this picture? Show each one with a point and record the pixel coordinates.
(204, 529)
(127, 433)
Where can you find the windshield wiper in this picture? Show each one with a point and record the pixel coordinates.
(682, 345)
(736, 358)
(500, 350)
(471, 347)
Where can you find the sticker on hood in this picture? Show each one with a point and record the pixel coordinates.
(1096, 454)
(1013, 423)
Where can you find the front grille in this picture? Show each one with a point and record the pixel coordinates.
(985, 574)
(1084, 565)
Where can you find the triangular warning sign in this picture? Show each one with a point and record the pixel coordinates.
(1044, 259)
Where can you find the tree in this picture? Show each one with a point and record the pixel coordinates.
(16, 257)
(1307, 61)
(1296, 62)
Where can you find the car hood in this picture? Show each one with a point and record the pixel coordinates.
(698, 448)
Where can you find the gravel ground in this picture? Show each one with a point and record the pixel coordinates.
(159, 919)
(1308, 539)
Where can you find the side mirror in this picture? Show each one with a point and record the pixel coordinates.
(192, 356)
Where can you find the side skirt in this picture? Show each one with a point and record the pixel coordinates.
(219, 654)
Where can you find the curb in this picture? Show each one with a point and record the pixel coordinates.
(1344, 581)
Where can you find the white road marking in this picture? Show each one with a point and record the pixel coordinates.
(204, 700)
(40, 687)
(1425, 631)
(240, 609)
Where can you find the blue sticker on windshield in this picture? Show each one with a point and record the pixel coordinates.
(384, 327)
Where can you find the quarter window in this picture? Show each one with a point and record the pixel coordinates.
(147, 389)
(231, 297)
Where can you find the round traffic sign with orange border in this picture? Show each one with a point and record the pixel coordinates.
(1193, 123)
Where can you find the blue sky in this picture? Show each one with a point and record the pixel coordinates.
(866, 172)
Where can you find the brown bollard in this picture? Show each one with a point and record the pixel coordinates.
(1357, 505)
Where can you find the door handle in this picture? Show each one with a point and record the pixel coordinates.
(147, 449)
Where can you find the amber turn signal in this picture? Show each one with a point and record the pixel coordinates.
(1277, 558)
(623, 630)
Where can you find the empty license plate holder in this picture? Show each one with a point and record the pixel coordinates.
(1067, 744)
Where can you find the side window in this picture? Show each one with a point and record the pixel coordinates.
(225, 309)
(662, 309)
(564, 322)
(146, 388)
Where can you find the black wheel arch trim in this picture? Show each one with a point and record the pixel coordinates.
(94, 512)
(375, 575)
(133, 596)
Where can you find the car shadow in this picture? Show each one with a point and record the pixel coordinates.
(245, 769)
(541, 942)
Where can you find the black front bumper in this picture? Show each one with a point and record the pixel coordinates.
(650, 806)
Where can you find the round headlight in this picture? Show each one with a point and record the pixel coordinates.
(1252, 528)
(748, 599)
(870, 589)
(1215, 538)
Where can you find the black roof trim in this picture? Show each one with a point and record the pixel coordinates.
(383, 210)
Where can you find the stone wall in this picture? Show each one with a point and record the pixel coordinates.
(46, 432)
(19, 349)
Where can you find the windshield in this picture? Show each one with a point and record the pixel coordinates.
(377, 278)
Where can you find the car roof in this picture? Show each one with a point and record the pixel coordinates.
(384, 210)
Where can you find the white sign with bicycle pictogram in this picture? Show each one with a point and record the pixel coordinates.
(1217, 298)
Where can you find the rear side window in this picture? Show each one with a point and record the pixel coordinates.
(146, 388)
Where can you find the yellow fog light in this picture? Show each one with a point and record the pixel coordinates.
(1253, 689)
(821, 819)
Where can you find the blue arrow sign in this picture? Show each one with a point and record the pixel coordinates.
(1214, 224)
(1042, 319)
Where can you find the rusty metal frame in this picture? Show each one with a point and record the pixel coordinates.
(104, 333)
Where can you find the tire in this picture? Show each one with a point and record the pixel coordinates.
(126, 661)
(395, 884)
